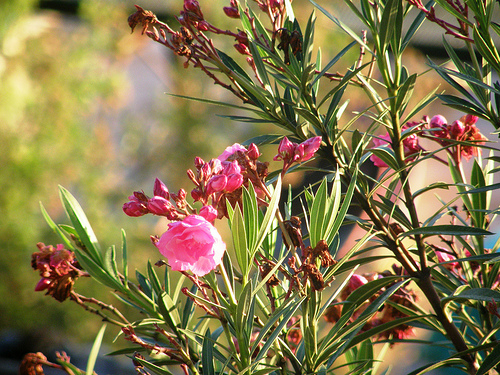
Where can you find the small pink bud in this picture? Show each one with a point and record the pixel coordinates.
(469, 119)
(243, 49)
(42, 284)
(196, 194)
(198, 162)
(231, 168)
(457, 129)
(135, 208)
(159, 206)
(192, 6)
(216, 183)
(253, 151)
(438, 121)
(310, 147)
(203, 25)
(208, 212)
(215, 166)
(285, 150)
(231, 12)
(242, 37)
(181, 194)
(160, 189)
(234, 181)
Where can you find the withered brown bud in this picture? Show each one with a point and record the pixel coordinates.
(264, 271)
(186, 35)
(313, 274)
(292, 226)
(321, 250)
(292, 40)
(396, 228)
(136, 363)
(143, 17)
(333, 313)
(32, 364)
(61, 288)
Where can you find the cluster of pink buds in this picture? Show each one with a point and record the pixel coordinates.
(448, 261)
(58, 268)
(233, 10)
(223, 178)
(291, 152)
(140, 204)
(403, 297)
(411, 146)
(462, 130)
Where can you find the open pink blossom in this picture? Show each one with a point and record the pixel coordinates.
(192, 244)
(231, 150)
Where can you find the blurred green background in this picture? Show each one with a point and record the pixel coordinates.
(83, 105)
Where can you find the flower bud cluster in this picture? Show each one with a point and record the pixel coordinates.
(403, 297)
(437, 129)
(58, 268)
(462, 130)
(160, 204)
(291, 152)
(411, 146)
(462, 271)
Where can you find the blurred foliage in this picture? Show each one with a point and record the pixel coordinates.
(70, 115)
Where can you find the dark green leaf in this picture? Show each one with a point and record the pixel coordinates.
(447, 230)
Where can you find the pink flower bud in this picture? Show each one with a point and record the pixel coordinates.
(192, 6)
(309, 148)
(215, 166)
(208, 212)
(231, 168)
(203, 25)
(159, 206)
(231, 12)
(196, 194)
(438, 121)
(216, 183)
(135, 208)
(457, 129)
(43, 284)
(198, 162)
(469, 119)
(286, 149)
(253, 151)
(243, 49)
(160, 189)
(192, 244)
(242, 37)
(234, 181)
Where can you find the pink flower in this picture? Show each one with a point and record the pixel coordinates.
(230, 151)
(308, 148)
(291, 152)
(379, 142)
(192, 244)
(410, 147)
(208, 212)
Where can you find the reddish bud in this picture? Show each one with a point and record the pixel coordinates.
(231, 12)
(243, 49)
(253, 151)
(160, 189)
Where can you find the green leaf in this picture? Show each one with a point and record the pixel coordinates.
(281, 314)
(387, 24)
(267, 222)
(476, 294)
(67, 243)
(238, 232)
(124, 258)
(207, 355)
(94, 352)
(417, 22)
(81, 225)
(490, 361)
(447, 230)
